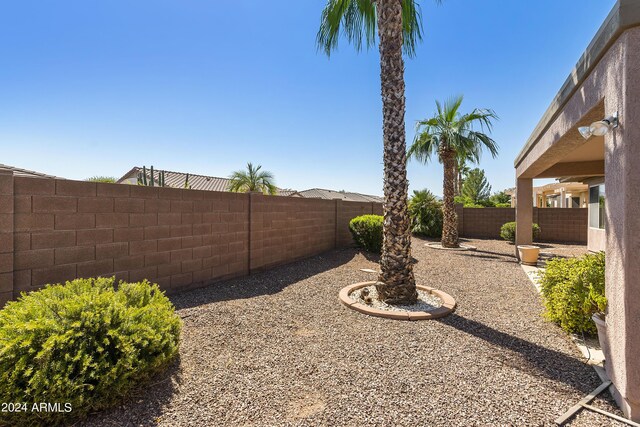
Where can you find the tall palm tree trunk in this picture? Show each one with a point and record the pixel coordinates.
(396, 283)
(449, 217)
(456, 179)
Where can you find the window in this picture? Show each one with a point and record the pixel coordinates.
(596, 206)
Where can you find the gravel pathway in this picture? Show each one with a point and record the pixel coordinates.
(278, 348)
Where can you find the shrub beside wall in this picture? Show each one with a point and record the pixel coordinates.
(367, 232)
(83, 343)
(573, 290)
(508, 231)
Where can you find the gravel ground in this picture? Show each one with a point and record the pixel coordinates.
(278, 348)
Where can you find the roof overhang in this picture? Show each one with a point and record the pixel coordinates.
(624, 15)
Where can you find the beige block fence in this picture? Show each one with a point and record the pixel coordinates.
(56, 230)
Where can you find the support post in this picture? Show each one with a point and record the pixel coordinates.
(255, 213)
(524, 212)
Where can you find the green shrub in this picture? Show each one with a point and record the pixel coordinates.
(83, 343)
(425, 213)
(573, 290)
(503, 205)
(508, 231)
(367, 232)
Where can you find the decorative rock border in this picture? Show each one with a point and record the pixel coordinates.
(461, 248)
(447, 307)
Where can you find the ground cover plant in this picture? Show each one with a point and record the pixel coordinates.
(82, 345)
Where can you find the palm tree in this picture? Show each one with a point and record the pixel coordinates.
(425, 211)
(399, 28)
(451, 135)
(252, 180)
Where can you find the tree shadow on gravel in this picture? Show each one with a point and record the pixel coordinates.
(489, 257)
(480, 253)
(145, 404)
(267, 282)
(540, 360)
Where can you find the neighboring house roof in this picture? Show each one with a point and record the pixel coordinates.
(213, 183)
(320, 193)
(288, 192)
(27, 172)
(196, 182)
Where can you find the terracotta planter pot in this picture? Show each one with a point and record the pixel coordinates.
(601, 325)
(529, 254)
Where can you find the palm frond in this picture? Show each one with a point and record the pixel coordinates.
(356, 20)
(450, 130)
(252, 179)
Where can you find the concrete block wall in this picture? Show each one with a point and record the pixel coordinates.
(6, 236)
(556, 225)
(562, 225)
(485, 222)
(284, 229)
(56, 230)
(66, 229)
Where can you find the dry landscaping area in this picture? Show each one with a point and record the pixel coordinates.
(278, 348)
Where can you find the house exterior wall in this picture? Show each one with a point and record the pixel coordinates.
(622, 205)
(610, 86)
(56, 230)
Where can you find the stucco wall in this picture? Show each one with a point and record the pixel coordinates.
(611, 86)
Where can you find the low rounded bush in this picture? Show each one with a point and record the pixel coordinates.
(573, 290)
(82, 345)
(503, 205)
(367, 232)
(508, 231)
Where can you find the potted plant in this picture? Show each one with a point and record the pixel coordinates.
(528, 254)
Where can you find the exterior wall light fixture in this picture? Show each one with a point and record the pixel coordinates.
(599, 128)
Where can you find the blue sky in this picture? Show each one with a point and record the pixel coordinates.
(204, 86)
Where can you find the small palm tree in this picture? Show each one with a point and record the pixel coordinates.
(398, 24)
(451, 136)
(252, 180)
(425, 211)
